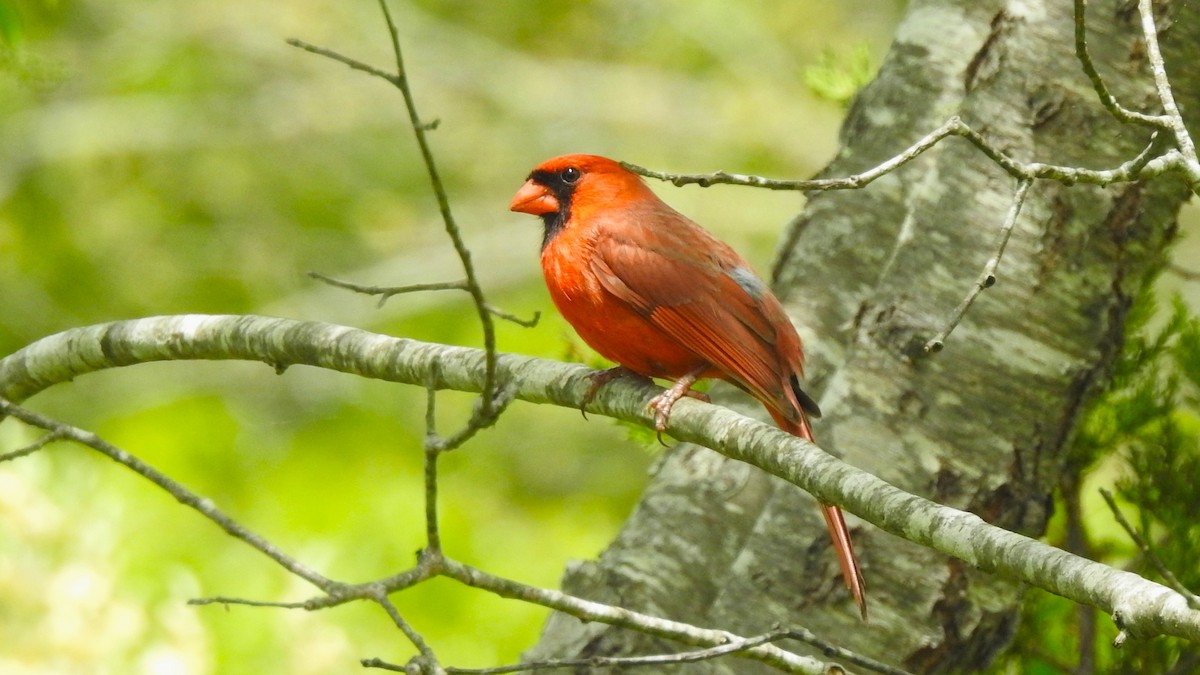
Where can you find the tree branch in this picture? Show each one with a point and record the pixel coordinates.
(1144, 165)
(1173, 118)
(1140, 607)
(1144, 546)
(385, 293)
(987, 278)
(59, 431)
(490, 403)
(432, 562)
(1089, 68)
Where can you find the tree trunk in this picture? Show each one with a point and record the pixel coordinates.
(870, 275)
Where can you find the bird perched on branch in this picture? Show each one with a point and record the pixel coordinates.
(657, 294)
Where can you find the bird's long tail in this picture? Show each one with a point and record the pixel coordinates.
(836, 523)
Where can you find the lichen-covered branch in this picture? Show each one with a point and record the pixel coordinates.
(1141, 607)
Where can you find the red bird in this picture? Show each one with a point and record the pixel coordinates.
(654, 292)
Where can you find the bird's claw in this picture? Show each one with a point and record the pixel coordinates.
(663, 403)
(599, 379)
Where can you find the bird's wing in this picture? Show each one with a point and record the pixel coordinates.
(697, 290)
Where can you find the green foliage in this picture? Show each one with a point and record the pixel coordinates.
(838, 75)
(1143, 434)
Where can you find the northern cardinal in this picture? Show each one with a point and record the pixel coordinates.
(654, 292)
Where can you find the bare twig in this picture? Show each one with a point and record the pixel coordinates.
(493, 399)
(1168, 576)
(1185, 273)
(588, 610)
(1141, 166)
(486, 410)
(433, 448)
(626, 661)
(1089, 68)
(524, 323)
(950, 127)
(1181, 158)
(173, 487)
(833, 651)
(733, 646)
(987, 278)
(33, 447)
(480, 421)
(353, 63)
(428, 659)
(484, 413)
(1174, 120)
(386, 292)
(246, 602)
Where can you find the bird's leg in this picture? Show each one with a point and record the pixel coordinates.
(601, 378)
(663, 402)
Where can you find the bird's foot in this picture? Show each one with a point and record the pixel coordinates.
(601, 378)
(663, 403)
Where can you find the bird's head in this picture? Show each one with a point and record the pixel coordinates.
(566, 185)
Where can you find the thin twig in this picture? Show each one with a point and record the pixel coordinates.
(588, 610)
(433, 448)
(420, 129)
(33, 447)
(1174, 120)
(246, 602)
(353, 63)
(1076, 541)
(987, 278)
(1168, 576)
(429, 565)
(382, 665)
(480, 420)
(386, 292)
(524, 323)
(949, 128)
(1133, 169)
(1185, 273)
(486, 411)
(693, 656)
(429, 659)
(173, 487)
(833, 651)
(1089, 68)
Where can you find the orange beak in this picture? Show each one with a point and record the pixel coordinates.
(534, 199)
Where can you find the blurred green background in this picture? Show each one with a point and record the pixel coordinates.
(160, 158)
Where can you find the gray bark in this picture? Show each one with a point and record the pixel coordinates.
(869, 276)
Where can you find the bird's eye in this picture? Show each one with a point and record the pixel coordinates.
(570, 175)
